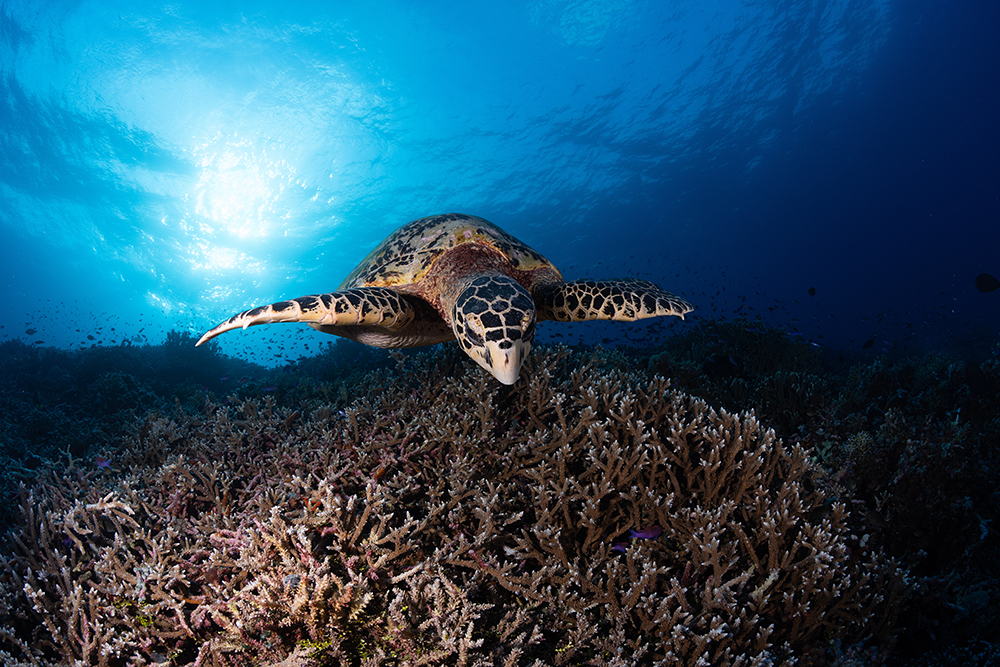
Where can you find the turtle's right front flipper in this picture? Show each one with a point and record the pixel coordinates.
(360, 306)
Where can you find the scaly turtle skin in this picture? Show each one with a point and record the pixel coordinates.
(459, 277)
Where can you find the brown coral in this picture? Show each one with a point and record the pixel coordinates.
(439, 520)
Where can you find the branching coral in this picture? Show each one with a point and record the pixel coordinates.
(745, 365)
(590, 516)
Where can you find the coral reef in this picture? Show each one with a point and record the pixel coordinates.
(81, 403)
(590, 516)
(913, 442)
(909, 444)
(746, 366)
(171, 507)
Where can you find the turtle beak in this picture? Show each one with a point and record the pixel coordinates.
(504, 363)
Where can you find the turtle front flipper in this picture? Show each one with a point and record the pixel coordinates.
(356, 307)
(622, 300)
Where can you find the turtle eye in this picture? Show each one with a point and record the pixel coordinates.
(475, 322)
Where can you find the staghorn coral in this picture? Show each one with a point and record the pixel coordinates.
(911, 445)
(789, 399)
(746, 365)
(58, 403)
(866, 456)
(440, 521)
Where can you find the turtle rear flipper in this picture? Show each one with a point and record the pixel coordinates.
(356, 307)
(622, 300)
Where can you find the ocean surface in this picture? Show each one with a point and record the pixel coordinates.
(830, 167)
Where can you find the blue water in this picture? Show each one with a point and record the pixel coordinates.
(164, 167)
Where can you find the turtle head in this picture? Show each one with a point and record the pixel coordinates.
(494, 321)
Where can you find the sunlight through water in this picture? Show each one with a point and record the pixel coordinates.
(239, 185)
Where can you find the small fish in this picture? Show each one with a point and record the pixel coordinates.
(646, 533)
(31, 332)
(986, 283)
(812, 291)
(868, 344)
(102, 462)
(270, 387)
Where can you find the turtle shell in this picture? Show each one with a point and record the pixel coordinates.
(408, 254)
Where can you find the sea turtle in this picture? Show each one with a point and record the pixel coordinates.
(457, 276)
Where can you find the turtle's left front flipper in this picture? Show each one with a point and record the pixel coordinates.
(360, 306)
(623, 300)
